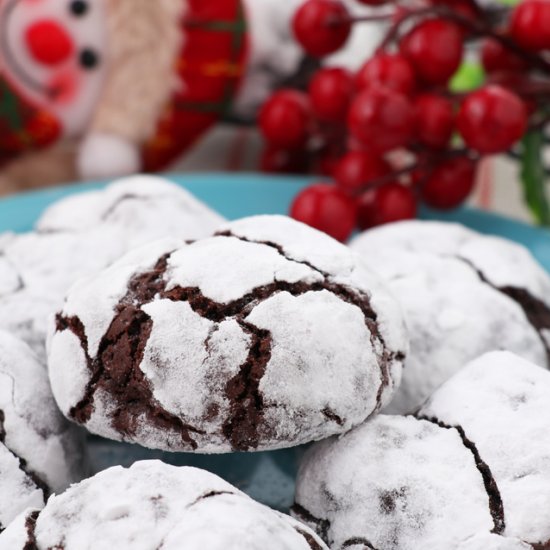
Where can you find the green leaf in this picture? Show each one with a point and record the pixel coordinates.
(534, 178)
(469, 76)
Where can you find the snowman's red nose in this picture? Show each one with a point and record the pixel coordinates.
(48, 42)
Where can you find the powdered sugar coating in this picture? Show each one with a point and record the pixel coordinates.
(392, 483)
(83, 234)
(36, 269)
(463, 294)
(39, 450)
(146, 206)
(374, 483)
(239, 343)
(154, 506)
(501, 402)
(489, 541)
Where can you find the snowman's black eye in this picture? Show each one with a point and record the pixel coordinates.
(79, 7)
(89, 59)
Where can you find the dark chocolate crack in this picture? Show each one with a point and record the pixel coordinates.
(277, 247)
(242, 427)
(349, 296)
(210, 494)
(313, 544)
(30, 526)
(321, 526)
(332, 416)
(23, 466)
(496, 505)
(121, 200)
(116, 367)
(536, 311)
(357, 541)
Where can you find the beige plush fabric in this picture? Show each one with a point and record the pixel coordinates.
(144, 42)
(38, 169)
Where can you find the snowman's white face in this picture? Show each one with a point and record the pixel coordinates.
(54, 52)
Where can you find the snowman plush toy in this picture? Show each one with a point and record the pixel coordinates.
(100, 88)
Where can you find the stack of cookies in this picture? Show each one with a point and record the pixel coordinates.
(139, 315)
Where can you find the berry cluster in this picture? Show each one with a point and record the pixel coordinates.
(394, 134)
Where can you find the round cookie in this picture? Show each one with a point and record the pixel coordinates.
(500, 402)
(268, 335)
(154, 506)
(463, 294)
(393, 482)
(37, 269)
(40, 452)
(146, 207)
(82, 235)
(474, 461)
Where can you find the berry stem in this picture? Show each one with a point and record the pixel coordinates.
(481, 27)
(425, 164)
(374, 18)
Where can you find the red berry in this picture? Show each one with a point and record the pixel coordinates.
(327, 208)
(435, 120)
(389, 203)
(530, 25)
(435, 48)
(330, 93)
(492, 119)
(282, 161)
(390, 70)
(496, 57)
(322, 26)
(381, 119)
(285, 119)
(450, 183)
(357, 169)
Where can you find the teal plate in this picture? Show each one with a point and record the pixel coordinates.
(238, 195)
(269, 476)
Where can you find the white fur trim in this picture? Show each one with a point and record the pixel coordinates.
(106, 156)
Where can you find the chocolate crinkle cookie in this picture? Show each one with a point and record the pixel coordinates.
(82, 235)
(267, 335)
(463, 294)
(470, 471)
(147, 207)
(40, 452)
(153, 506)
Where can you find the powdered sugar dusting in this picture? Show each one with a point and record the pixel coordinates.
(392, 481)
(204, 264)
(463, 294)
(488, 541)
(228, 334)
(153, 505)
(501, 401)
(31, 430)
(148, 207)
(308, 357)
(81, 235)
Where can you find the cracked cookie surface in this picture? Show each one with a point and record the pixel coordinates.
(267, 335)
(82, 235)
(471, 468)
(40, 452)
(463, 294)
(153, 506)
